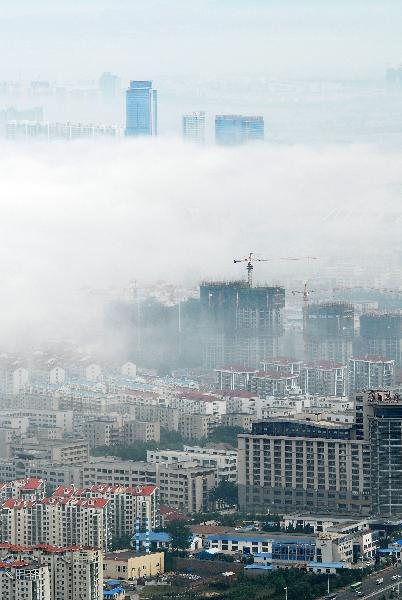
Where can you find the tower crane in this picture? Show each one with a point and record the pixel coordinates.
(306, 293)
(250, 260)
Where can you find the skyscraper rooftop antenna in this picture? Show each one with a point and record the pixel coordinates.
(250, 260)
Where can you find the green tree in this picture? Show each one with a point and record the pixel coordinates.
(226, 492)
(180, 533)
(226, 435)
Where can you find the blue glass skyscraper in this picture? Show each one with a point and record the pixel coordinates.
(141, 109)
(231, 130)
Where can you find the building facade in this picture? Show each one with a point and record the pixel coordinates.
(370, 372)
(231, 130)
(308, 465)
(194, 127)
(65, 573)
(141, 109)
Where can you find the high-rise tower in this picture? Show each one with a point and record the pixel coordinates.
(240, 324)
(194, 127)
(141, 109)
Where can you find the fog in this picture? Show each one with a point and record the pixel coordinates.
(92, 215)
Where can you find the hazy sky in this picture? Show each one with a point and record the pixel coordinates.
(78, 39)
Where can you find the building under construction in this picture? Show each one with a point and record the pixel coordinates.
(328, 330)
(240, 324)
(381, 334)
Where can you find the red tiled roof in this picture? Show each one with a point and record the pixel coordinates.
(323, 364)
(237, 369)
(372, 357)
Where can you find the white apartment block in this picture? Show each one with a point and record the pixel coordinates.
(129, 369)
(28, 489)
(140, 431)
(184, 486)
(59, 521)
(324, 378)
(196, 426)
(233, 377)
(22, 580)
(193, 402)
(41, 418)
(224, 462)
(371, 373)
(67, 573)
(126, 505)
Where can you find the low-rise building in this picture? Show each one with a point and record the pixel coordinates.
(126, 564)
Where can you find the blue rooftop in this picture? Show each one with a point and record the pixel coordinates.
(113, 591)
(236, 538)
(152, 536)
(260, 567)
(336, 565)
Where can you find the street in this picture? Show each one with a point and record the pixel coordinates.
(369, 587)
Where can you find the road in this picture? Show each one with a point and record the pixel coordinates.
(369, 587)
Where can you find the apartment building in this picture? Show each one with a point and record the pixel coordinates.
(59, 521)
(224, 462)
(65, 573)
(379, 424)
(313, 465)
(102, 431)
(324, 378)
(200, 403)
(68, 451)
(282, 364)
(22, 580)
(197, 426)
(29, 489)
(371, 372)
(272, 383)
(127, 506)
(140, 431)
(166, 416)
(186, 486)
(233, 377)
(244, 421)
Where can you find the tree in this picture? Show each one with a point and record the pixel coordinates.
(180, 533)
(226, 492)
(226, 435)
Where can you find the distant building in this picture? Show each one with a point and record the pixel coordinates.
(109, 85)
(381, 335)
(324, 378)
(231, 130)
(328, 331)
(140, 431)
(240, 325)
(22, 130)
(371, 373)
(141, 109)
(194, 127)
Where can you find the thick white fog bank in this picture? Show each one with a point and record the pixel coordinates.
(80, 215)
